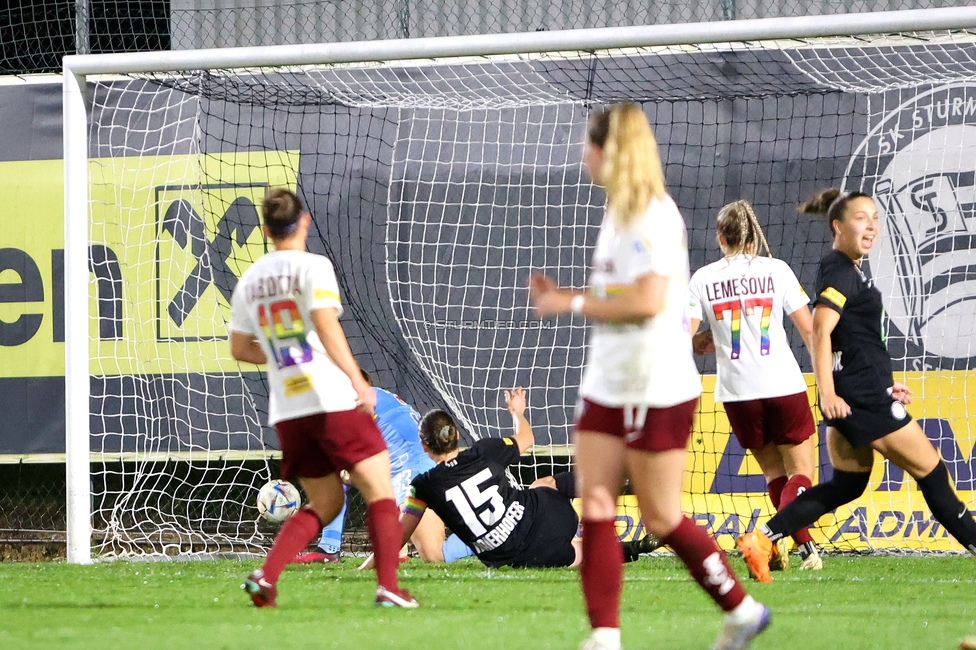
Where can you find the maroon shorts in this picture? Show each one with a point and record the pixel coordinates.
(783, 420)
(664, 429)
(318, 445)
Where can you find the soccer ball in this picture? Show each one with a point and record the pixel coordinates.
(278, 500)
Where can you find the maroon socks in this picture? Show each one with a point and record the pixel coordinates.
(601, 572)
(385, 535)
(707, 564)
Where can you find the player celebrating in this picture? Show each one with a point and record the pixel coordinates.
(285, 313)
(744, 296)
(398, 422)
(863, 406)
(478, 498)
(640, 386)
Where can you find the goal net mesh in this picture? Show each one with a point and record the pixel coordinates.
(437, 186)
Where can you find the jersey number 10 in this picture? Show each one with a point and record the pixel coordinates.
(282, 324)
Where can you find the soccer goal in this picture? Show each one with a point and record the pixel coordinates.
(440, 173)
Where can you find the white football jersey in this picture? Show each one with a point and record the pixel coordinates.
(650, 363)
(273, 302)
(744, 298)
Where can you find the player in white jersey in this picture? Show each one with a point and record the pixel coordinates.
(744, 296)
(640, 387)
(285, 313)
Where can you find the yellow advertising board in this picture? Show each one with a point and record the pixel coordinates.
(169, 237)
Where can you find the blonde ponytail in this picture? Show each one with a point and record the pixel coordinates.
(632, 171)
(738, 224)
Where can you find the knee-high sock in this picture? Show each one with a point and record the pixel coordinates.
(814, 503)
(295, 534)
(946, 507)
(601, 573)
(707, 564)
(385, 535)
(797, 485)
(775, 489)
(331, 539)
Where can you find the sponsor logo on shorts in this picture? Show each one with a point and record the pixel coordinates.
(898, 411)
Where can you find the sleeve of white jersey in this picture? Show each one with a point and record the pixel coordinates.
(794, 297)
(323, 288)
(659, 240)
(694, 310)
(239, 319)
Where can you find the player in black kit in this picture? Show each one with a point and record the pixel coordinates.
(481, 502)
(863, 406)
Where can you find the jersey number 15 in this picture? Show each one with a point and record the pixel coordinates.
(468, 496)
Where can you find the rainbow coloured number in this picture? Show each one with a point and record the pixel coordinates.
(749, 305)
(287, 336)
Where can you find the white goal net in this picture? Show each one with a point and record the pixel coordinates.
(437, 186)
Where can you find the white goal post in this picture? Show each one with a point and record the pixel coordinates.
(910, 75)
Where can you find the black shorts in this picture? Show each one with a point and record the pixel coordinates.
(873, 416)
(549, 542)
(566, 484)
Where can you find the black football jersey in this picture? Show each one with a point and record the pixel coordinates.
(862, 367)
(479, 500)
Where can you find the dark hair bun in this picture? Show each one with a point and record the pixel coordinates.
(820, 203)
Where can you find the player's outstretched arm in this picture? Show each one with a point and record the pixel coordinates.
(516, 403)
(635, 303)
(337, 347)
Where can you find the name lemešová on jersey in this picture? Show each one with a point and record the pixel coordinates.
(499, 534)
(736, 287)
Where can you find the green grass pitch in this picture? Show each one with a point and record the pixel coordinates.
(922, 603)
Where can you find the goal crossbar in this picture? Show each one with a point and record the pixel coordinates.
(914, 20)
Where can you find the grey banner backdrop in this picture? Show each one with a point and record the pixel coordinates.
(758, 125)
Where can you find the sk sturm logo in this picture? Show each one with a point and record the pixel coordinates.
(919, 163)
(207, 237)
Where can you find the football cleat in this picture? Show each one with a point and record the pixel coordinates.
(779, 560)
(316, 556)
(594, 643)
(399, 598)
(756, 549)
(643, 546)
(812, 562)
(262, 592)
(736, 636)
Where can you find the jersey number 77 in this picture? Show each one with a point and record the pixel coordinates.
(748, 306)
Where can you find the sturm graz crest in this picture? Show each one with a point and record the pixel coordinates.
(919, 162)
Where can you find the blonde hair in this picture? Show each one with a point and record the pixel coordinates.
(738, 224)
(632, 173)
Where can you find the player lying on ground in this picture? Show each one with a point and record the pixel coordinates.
(476, 496)
(398, 422)
(863, 406)
(744, 297)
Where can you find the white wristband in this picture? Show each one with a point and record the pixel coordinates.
(576, 304)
